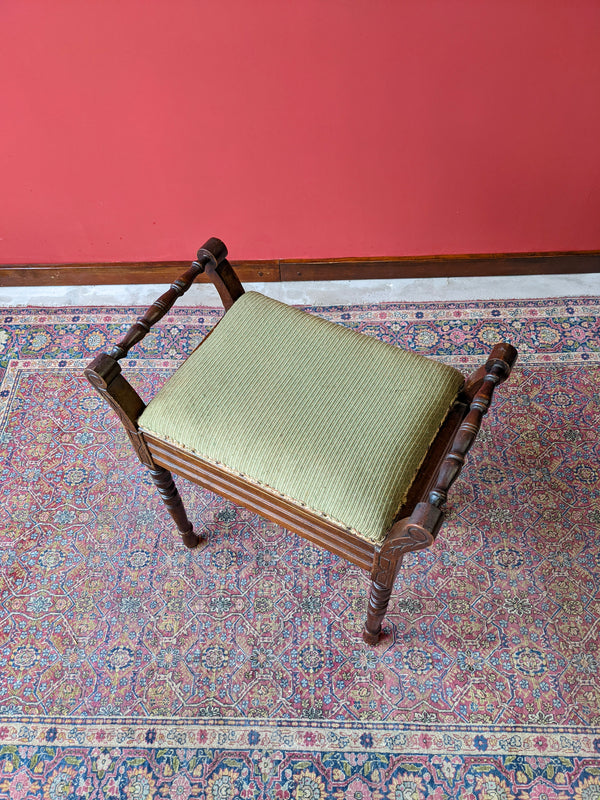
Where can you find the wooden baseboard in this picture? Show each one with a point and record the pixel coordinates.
(122, 273)
(442, 266)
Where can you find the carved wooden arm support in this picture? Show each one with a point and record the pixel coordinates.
(496, 371)
(212, 260)
(408, 534)
(420, 529)
(104, 372)
(225, 281)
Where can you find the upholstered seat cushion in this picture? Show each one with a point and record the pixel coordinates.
(333, 419)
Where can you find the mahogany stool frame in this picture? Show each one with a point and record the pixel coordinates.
(416, 524)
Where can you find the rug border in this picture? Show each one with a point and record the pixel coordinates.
(301, 736)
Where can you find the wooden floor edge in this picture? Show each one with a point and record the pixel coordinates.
(439, 266)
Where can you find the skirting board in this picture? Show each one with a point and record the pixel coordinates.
(440, 266)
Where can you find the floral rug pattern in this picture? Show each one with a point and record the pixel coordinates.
(132, 667)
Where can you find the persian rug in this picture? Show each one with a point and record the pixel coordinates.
(131, 667)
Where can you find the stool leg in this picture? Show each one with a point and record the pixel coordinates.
(379, 597)
(163, 480)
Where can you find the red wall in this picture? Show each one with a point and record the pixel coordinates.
(133, 129)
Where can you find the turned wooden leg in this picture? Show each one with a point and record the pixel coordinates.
(163, 480)
(379, 597)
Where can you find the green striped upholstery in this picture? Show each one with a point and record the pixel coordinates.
(333, 419)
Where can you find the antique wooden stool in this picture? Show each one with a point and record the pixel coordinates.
(350, 442)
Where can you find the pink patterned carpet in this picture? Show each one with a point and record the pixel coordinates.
(132, 667)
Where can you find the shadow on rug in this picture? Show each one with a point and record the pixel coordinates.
(132, 667)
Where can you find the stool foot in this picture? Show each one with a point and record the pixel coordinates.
(371, 638)
(190, 539)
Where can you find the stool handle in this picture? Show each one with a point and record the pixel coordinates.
(210, 256)
(497, 369)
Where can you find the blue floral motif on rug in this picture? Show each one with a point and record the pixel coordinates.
(133, 668)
